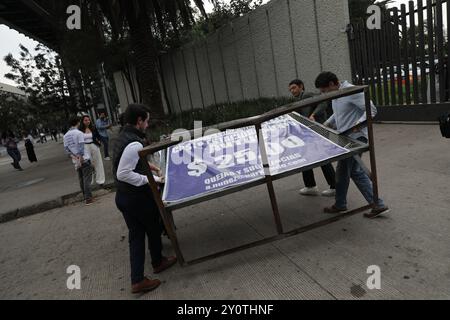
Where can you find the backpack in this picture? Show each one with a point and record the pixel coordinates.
(444, 123)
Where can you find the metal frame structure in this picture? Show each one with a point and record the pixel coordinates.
(357, 148)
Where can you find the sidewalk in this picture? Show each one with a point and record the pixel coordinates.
(410, 245)
(47, 184)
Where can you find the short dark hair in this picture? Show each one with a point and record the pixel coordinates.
(134, 112)
(297, 82)
(73, 121)
(323, 79)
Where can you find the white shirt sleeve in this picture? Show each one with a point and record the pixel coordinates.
(128, 163)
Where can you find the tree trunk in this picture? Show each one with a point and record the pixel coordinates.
(145, 57)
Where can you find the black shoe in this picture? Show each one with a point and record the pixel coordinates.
(376, 212)
(333, 209)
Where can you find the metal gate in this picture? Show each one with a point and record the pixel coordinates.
(404, 62)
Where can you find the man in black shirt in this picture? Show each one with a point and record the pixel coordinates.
(318, 114)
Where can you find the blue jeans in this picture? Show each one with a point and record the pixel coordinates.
(105, 142)
(350, 168)
(16, 156)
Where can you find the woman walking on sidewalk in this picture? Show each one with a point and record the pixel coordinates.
(29, 146)
(10, 142)
(92, 146)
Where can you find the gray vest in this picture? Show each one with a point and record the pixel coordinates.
(129, 135)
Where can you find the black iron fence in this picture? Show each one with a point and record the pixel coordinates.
(406, 61)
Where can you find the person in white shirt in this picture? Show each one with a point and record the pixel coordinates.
(348, 112)
(135, 200)
(74, 147)
(92, 144)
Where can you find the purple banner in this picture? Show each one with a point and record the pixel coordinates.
(227, 159)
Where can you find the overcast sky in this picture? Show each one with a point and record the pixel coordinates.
(10, 40)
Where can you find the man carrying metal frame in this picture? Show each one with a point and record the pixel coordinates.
(319, 114)
(349, 112)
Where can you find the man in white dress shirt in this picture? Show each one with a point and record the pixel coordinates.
(135, 200)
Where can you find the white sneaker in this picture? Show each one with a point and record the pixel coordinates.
(314, 191)
(107, 158)
(329, 193)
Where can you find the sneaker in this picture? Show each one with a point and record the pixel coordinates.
(145, 285)
(376, 212)
(166, 263)
(329, 193)
(107, 158)
(89, 201)
(333, 209)
(314, 191)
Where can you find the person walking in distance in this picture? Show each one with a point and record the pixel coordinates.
(103, 125)
(92, 142)
(10, 142)
(29, 146)
(135, 200)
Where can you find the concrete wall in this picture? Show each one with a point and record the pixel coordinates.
(257, 55)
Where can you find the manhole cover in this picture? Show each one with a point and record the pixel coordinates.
(29, 183)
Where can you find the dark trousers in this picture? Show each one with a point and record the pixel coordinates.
(105, 142)
(85, 178)
(328, 172)
(142, 218)
(16, 156)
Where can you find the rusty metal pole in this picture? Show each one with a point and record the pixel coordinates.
(373, 164)
(164, 215)
(269, 181)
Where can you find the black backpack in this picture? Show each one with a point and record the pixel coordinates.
(444, 123)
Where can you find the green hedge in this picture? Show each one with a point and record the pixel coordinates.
(215, 114)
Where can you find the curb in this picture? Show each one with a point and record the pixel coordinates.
(53, 204)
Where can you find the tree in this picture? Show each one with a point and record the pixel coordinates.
(358, 8)
(145, 22)
(82, 53)
(15, 113)
(223, 13)
(41, 77)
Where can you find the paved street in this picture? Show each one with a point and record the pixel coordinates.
(51, 177)
(410, 245)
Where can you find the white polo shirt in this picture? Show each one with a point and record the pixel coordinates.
(74, 145)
